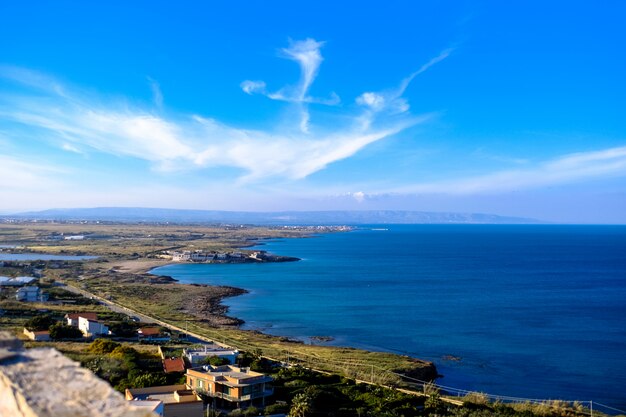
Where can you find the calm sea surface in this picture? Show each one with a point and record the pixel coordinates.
(531, 311)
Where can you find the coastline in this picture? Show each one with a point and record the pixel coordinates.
(204, 303)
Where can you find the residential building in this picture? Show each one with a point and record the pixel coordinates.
(173, 365)
(231, 386)
(177, 400)
(181, 256)
(152, 334)
(92, 327)
(37, 336)
(197, 357)
(16, 282)
(199, 256)
(72, 318)
(30, 294)
(153, 406)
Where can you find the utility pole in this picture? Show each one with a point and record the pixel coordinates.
(591, 407)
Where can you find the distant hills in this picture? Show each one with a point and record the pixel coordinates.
(157, 215)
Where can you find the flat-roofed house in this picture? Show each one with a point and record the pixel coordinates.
(177, 400)
(197, 357)
(30, 294)
(231, 386)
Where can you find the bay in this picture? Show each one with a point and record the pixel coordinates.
(533, 311)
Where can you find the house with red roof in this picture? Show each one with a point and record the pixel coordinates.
(173, 365)
(72, 318)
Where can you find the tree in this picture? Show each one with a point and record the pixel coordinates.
(40, 322)
(301, 405)
(63, 331)
(149, 380)
(215, 361)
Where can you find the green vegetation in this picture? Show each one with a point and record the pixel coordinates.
(63, 331)
(123, 366)
(39, 322)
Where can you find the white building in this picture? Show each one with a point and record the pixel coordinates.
(30, 294)
(197, 356)
(92, 327)
(200, 256)
(181, 256)
(16, 282)
(72, 318)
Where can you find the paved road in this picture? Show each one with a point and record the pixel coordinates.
(196, 338)
(113, 306)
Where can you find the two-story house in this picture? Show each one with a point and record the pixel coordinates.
(231, 386)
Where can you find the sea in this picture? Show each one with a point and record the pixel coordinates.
(526, 311)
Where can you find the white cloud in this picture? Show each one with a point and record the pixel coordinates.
(359, 196)
(309, 57)
(307, 54)
(373, 100)
(251, 87)
(79, 122)
(563, 170)
(18, 174)
(157, 95)
(71, 148)
(391, 100)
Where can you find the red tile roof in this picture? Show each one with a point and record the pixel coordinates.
(88, 316)
(174, 365)
(150, 331)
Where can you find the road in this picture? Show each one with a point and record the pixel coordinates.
(196, 338)
(113, 306)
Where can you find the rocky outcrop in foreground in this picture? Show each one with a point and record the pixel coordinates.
(44, 383)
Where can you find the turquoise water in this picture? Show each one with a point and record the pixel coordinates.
(532, 311)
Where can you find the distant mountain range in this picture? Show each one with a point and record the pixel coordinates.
(152, 215)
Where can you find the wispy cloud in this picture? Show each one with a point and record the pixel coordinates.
(307, 54)
(567, 169)
(182, 142)
(71, 148)
(391, 101)
(15, 173)
(157, 95)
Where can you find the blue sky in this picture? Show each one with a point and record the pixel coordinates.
(498, 107)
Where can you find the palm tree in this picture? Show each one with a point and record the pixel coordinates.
(300, 405)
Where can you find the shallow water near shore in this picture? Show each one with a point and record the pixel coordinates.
(534, 311)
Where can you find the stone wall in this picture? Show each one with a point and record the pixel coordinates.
(43, 383)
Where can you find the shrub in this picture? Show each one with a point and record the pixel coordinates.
(215, 361)
(40, 322)
(125, 353)
(103, 346)
(63, 331)
(149, 380)
(276, 409)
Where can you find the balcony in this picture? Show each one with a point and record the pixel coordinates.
(248, 397)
